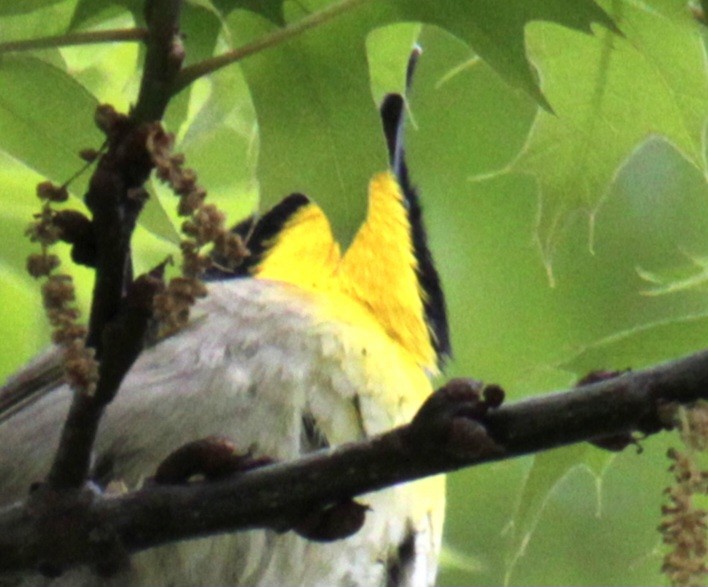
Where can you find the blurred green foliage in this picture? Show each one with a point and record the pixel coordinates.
(569, 237)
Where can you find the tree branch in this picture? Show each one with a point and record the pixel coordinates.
(163, 59)
(441, 438)
(115, 198)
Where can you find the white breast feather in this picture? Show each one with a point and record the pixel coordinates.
(255, 358)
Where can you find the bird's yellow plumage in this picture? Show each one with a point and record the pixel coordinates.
(377, 272)
(303, 253)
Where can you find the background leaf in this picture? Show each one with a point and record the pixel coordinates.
(609, 94)
(24, 6)
(496, 31)
(303, 118)
(39, 107)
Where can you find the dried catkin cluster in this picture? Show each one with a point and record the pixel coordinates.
(80, 367)
(205, 225)
(684, 526)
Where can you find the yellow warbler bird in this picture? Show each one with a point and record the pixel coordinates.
(308, 347)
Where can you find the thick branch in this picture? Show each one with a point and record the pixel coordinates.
(276, 496)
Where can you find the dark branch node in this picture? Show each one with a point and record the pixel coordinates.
(453, 417)
(77, 230)
(214, 457)
(335, 522)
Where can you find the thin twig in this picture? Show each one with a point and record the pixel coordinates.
(276, 496)
(193, 72)
(78, 38)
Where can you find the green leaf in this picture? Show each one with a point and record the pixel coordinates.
(51, 18)
(608, 538)
(25, 6)
(46, 118)
(452, 559)
(19, 203)
(156, 216)
(318, 126)
(496, 30)
(224, 162)
(271, 10)
(609, 93)
(659, 201)
(480, 504)
(546, 473)
(109, 71)
(639, 347)
(473, 124)
(677, 278)
(388, 51)
(201, 23)
(651, 220)
(20, 327)
(91, 12)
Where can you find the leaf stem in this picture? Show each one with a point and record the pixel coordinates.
(80, 38)
(193, 72)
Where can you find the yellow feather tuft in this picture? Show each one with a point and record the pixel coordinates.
(303, 252)
(378, 272)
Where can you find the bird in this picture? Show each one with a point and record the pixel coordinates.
(304, 347)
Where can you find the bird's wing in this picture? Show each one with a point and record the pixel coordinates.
(39, 377)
